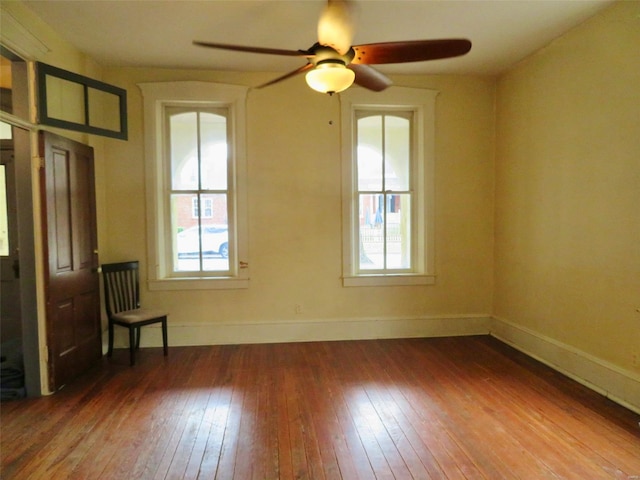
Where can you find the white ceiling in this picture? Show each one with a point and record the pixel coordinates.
(160, 33)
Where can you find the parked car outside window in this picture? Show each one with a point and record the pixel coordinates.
(215, 241)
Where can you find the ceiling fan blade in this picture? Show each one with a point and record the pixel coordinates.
(335, 28)
(297, 71)
(369, 77)
(270, 51)
(409, 51)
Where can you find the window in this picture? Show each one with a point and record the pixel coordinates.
(384, 191)
(207, 207)
(196, 174)
(197, 154)
(14, 85)
(388, 187)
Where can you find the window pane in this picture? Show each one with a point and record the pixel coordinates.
(184, 151)
(384, 231)
(397, 152)
(369, 153)
(398, 234)
(4, 223)
(371, 232)
(201, 243)
(213, 136)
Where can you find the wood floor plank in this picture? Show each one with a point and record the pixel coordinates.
(401, 427)
(266, 439)
(498, 414)
(354, 399)
(211, 397)
(382, 425)
(441, 408)
(320, 459)
(198, 385)
(213, 449)
(327, 407)
(64, 451)
(550, 427)
(141, 422)
(434, 420)
(439, 419)
(232, 435)
(336, 460)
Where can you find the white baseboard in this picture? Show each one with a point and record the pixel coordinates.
(618, 384)
(310, 330)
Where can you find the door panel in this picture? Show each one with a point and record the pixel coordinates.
(63, 326)
(72, 285)
(58, 204)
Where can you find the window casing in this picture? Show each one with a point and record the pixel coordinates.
(196, 190)
(388, 187)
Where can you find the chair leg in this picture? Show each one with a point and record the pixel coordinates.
(132, 345)
(138, 334)
(165, 343)
(110, 350)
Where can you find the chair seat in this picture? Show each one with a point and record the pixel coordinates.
(137, 315)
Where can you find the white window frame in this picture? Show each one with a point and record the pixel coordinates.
(422, 103)
(156, 97)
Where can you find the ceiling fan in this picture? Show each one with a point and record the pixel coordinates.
(333, 64)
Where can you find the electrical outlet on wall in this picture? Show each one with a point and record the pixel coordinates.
(298, 308)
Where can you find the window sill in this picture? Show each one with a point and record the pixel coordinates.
(387, 280)
(198, 284)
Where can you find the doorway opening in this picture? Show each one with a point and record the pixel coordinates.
(19, 327)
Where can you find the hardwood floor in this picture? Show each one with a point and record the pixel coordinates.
(454, 408)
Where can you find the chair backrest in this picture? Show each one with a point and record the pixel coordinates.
(121, 286)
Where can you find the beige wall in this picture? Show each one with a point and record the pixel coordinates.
(567, 237)
(294, 188)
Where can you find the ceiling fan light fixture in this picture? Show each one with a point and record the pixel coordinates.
(330, 76)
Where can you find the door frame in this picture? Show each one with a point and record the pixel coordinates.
(27, 197)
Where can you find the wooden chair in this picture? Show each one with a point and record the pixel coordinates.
(122, 302)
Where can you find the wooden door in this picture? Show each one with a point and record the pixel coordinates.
(71, 258)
